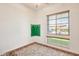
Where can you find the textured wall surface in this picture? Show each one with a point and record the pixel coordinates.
(37, 50)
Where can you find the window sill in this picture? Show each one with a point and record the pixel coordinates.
(59, 36)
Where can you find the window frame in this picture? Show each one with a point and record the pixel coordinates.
(56, 23)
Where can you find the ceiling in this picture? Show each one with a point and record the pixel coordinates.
(37, 6)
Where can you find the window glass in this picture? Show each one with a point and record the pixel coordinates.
(52, 30)
(59, 24)
(62, 15)
(62, 20)
(52, 17)
(52, 22)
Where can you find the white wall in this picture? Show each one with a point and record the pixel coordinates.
(74, 22)
(15, 22)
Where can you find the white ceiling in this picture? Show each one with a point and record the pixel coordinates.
(40, 5)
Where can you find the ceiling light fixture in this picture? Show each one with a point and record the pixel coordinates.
(37, 5)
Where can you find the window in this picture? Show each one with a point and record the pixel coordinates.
(58, 23)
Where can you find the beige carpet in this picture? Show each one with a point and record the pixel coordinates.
(37, 50)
